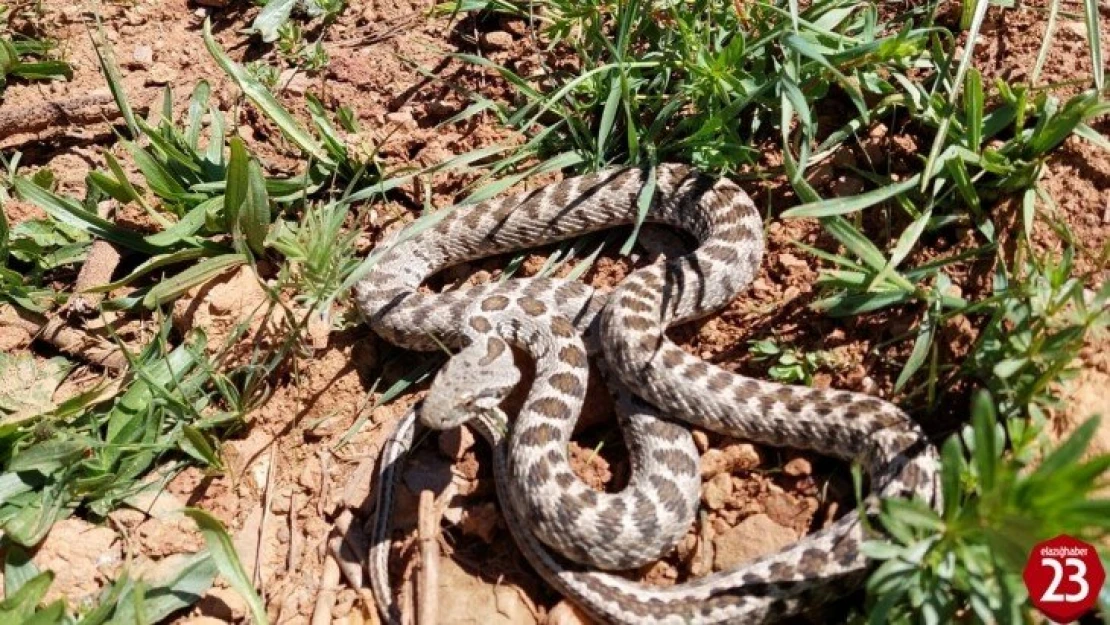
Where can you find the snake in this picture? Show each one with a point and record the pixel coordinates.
(653, 376)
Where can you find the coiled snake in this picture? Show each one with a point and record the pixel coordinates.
(559, 323)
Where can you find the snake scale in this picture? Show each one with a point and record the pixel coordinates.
(560, 324)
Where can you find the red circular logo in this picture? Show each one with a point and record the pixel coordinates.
(1064, 576)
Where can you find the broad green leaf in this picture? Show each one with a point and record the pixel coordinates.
(986, 448)
(178, 583)
(18, 569)
(274, 14)
(14, 608)
(194, 443)
(48, 456)
(1071, 450)
(254, 215)
(235, 191)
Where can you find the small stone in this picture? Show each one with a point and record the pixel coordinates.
(717, 491)
(701, 440)
(789, 511)
(737, 456)
(798, 467)
(791, 261)
(498, 40)
(161, 74)
(755, 536)
(400, 118)
(142, 57)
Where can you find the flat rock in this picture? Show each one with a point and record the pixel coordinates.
(755, 536)
(466, 599)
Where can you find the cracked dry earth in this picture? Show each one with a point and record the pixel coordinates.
(295, 480)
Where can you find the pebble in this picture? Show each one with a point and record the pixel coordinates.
(789, 260)
(701, 440)
(737, 456)
(401, 118)
(498, 40)
(717, 491)
(798, 467)
(161, 74)
(142, 57)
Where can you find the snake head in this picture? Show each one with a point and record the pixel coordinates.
(473, 382)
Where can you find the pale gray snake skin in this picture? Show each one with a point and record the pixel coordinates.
(541, 497)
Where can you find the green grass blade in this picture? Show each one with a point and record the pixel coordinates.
(4, 233)
(1046, 41)
(852, 204)
(112, 74)
(973, 109)
(198, 103)
(161, 181)
(199, 273)
(156, 262)
(1094, 42)
(941, 138)
(921, 347)
(227, 561)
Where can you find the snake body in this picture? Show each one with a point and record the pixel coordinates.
(542, 499)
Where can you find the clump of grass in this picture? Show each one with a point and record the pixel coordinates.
(210, 207)
(27, 58)
(1004, 491)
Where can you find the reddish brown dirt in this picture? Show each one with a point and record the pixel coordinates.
(290, 475)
